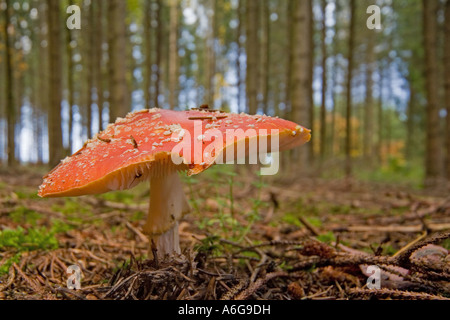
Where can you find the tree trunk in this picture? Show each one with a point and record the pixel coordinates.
(34, 79)
(265, 55)
(173, 54)
(43, 81)
(368, 105)
(380, 114)
(432, 156)
(309, 121)
(148, 52)
(9, 90)
(90, 65)
(252, 56)
(300, 76)
(410, 141)
(324, 82)
(158, 46)
(289, 49)
(348, 140)
(70, 84)
(447, 80)
(238, 55)
(119, 100)
(98, 61)
(210, 60)
(334, 94)
(56, 150)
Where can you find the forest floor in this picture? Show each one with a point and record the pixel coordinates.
(247, 237)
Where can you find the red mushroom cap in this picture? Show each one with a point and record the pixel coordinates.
(142, 145)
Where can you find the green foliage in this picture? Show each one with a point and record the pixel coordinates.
(30, 239)
(4, 268)
(23, 194)
(250, 254)
(389, 250)
(314, 221)
(71, 206)
(223, 222)
(24, 215)
(285, 266)
(59, 226)
(125, 197)
(193, 200)
(137, 216)
(35, 238)
(210, 245)
(395, 171)
(327, 237)
(446, 244)
(291, 218)
(340, 209)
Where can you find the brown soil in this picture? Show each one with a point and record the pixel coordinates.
(313, 240)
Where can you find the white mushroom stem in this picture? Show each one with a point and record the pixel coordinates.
(167, 205)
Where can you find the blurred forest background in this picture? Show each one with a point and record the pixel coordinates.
(377, 100)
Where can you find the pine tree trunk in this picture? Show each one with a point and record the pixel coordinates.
(43, 82)
(34, 91)
(380, 114)
(300, 83)
(148, 52)
(9, 91)
(447, 80)
(410, 141)
(210, 60)
(238, 55)
(332, 132)
(56, 151)
(289, 50)
(70, 84)
(90, 65)
(265, 55)
(98, 61)
(173, 54)
(158, 46)
(432, 156)
(323, 125)
(334, 142)
(252, 56)
(309, 121)
(119, 100)
(348, 133)
(368, 105)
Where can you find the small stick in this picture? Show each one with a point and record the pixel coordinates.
(245, 294)
(141, 236)
(72, 292)
(409, 245)
(404, 256)
(133, 141)
(104, 139)
(154, 252)
(308, 226)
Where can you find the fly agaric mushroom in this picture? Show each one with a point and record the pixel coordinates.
(153, 145)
